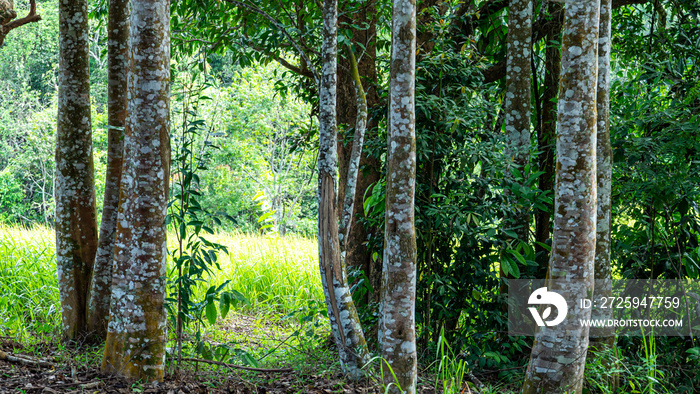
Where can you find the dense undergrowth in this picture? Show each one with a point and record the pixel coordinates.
(282, 324)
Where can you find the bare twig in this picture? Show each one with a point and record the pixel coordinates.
(24, 360)
(234, 366)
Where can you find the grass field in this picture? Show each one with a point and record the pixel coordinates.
(276, 275)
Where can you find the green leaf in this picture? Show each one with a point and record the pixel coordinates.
(518, 256)
(514, 270)
(510, 234)
(211, 312)
(224, 304)
(505, 266)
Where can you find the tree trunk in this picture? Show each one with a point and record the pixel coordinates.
(348, 206)
(605, 337)
(397, 334)
(546, 136)
(76, 226)
(517, 103)
(356, 253)
(345, 323)
(559, 353)
(118, 59)
(135, 345)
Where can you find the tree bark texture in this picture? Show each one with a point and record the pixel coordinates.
(76, 226)
(548, 128)
(118, 66)
(559, 353)
(603, 275)
(397, 334)
(356, 253)
(135, 345)
(517, 101)
(348, 206)
(345, 323)
(7, 11)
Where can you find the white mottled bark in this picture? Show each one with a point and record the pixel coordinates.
(76, 226)
(345, 322)
(118, 59)
(603, 276)
(135, 344)
(559, 353)
(518, 84)
(354, 164)
(397, 327)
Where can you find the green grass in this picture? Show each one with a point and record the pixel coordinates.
(276, 275)
(29, 303)
(279, 274)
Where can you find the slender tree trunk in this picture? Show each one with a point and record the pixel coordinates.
(345, 323)
(348, 207)
(135, 344)
(546, 136)
(605, 337)
(517, 103)
(364, 40)
(397, 327)
(559, 353)
(118, 59)
(76, 226)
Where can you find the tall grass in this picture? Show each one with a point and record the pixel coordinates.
(29, 302)
(273, 273)
(278, 274)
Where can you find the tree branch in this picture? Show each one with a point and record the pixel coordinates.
(278, 25)
(283, 62)
(24, 360)
(31, 17)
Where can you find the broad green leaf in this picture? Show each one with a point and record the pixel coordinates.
(211, 312)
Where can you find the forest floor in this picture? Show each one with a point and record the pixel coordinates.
(76, 369)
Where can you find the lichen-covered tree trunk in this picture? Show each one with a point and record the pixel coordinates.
(348, 207)
(135, 345)
(559, 353)
(118, 59)
(517, 100)
(545, 137)
(345, 323)
(76, 226)
(363, 26)
(603, 277)
(397, 327)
